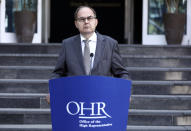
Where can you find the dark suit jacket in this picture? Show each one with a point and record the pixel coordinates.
(107, 61)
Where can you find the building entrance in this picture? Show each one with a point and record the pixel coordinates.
(110, 16)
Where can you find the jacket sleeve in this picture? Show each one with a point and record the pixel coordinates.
(117, 67)
(60, 68)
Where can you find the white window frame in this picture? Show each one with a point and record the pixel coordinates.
(7, 37)
(160, 39)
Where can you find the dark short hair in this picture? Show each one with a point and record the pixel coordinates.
(80, 7)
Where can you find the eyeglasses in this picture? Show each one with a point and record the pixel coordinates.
(83, 19)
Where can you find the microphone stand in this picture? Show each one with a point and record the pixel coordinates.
(91, 60)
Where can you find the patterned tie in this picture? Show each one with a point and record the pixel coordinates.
(87, 56)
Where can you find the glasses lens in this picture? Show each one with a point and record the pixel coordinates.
(83, 19)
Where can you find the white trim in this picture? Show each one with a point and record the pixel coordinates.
(46, 21)
(38, 36)
(188, 23)
(0, 21)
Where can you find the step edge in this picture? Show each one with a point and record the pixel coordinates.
(165, 128)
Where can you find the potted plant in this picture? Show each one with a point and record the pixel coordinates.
(25, 19)
(174, 22)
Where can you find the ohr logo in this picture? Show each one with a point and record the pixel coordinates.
(95, 110)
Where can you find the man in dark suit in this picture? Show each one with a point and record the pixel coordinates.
(89, 53)
(105, 59)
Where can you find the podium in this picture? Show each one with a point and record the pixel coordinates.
(89, 103)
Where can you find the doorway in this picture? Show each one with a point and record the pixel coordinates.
(137, 15)
(110, 16)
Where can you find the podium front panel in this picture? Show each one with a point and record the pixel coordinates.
(89, 103)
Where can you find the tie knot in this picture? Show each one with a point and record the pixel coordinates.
(86, 41)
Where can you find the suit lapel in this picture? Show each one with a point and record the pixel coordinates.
(99, 50)
(78, 52)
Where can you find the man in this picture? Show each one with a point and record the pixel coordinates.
(89, 53)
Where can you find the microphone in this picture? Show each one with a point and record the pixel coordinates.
(91, 60)
(91, 55)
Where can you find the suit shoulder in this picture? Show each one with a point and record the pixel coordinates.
(106, 37)
(70, 39)
(109, 39)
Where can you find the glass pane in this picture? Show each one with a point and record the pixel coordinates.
(156, 9)
(17, 5)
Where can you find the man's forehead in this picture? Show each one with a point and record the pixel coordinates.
(85, 12)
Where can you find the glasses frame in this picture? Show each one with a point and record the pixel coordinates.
(83, 19)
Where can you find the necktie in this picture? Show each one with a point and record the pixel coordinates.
(87, 57)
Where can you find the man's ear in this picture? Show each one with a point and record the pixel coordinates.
(75, 22)
(96, 22)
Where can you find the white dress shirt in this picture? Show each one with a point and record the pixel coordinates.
(92, 45)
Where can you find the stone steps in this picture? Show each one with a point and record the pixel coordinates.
(161, 87)
(161, 102)
(156, 61)
(136, 117)
(30, 48)
(156, 50)
(161, 91)
(146, 102)
(23, 86)
(158, 128)
(159, 117)
(28, 59)
(46, 48)
(23, 100)
(136, 73)
(25, 72)
(139, 87)
(153, 73)
(129, 60)
(47, 127)
(26, 127)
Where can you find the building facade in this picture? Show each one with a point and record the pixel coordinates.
(128, 21)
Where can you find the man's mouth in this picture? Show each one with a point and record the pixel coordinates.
(86, 27)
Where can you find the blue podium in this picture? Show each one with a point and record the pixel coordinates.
(89, 103)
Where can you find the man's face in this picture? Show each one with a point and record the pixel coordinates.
(86, 21)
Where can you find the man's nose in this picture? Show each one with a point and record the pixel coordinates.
(86, 20)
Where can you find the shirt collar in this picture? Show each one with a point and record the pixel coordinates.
(92, 38)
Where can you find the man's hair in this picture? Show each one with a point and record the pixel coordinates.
(84, 6)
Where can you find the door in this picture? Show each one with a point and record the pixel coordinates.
(153, 27)
(7, 29)
(62, 18)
